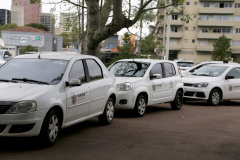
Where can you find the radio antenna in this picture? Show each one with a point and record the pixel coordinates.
(39, 55)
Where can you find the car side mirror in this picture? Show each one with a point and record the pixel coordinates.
(156, 76)
(73, 82)
(229, 77)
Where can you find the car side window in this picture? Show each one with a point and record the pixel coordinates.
(77, 71)
(156, 69)
(94, 69)
(169, 69)
(7, 55)
(234, 72)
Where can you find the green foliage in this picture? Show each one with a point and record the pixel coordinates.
(28, 48)
(7, 26)
(222, 50)
(35, 1)
(38, 26)
(127, 47)
(69, 38)
(148, 44)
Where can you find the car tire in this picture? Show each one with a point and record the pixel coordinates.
(214, 97)
(50, 128)
(177, 103)
(140, 106)
(107, 117)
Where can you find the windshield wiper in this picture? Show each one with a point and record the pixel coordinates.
(201, 74)
(6, 80)
(29, 80)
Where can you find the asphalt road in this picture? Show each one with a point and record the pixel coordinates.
(196, 132)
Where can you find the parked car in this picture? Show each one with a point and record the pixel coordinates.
(142, 82)
(190, 70)
(214, 82)
(5, 55)
(183, 65)
(43, 93)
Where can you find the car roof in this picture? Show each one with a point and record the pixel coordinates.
(145, 60)
(54, 55)
(225, 64)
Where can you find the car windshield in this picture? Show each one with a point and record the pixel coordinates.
(129, 69)
(41, 71)
(209, 70)
(185, 64)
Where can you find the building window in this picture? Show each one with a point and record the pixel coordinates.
(221, 30)
(185, 40)
(173, 29)
(193, 40)
(214, 42)
(203, 42)
(186, 28)
(174, 17)
(187, 3)
(194, 16)
(204, 30)
(236, 30)
(223, 5)
(235, 43)
(206, 5)
(236, 18)
(237, 5)
(195, 3)
(203, 53)
(194, 29)
(173, 41)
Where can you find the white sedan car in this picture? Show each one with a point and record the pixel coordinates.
(43, 93)
(214, 82)
(142, 82)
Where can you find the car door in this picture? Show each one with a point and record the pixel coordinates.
(170, 79)
(158, 90)
(232, 86)
(78, 97)
(98, 86)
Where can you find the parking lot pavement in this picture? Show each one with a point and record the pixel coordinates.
(197, 131)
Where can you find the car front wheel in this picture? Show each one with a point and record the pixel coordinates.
(50, 128)
(214, 97)
(176, 104)
(140, 106)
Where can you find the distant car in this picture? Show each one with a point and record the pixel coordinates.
(192, 69)
(43, 93)
(214, 82)
(5, 55)
(183, 65)
(143, 82)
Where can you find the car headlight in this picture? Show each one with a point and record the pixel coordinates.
(200, 85)
(22, 107)
(124, 86)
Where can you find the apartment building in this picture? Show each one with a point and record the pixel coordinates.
(194, 40)
(5, 16)
(48, 19)
(68, 21)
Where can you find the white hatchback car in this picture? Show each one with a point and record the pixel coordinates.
(142, 82)
(43, 93)
(214, 82)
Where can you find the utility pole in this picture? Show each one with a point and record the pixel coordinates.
(168, 33)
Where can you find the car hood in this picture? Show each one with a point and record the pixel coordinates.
(21, 91)
(128, 79)
(198, 79)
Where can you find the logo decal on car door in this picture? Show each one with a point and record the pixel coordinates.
(74, 99)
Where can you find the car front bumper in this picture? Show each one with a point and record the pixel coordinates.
(21, 125)
(125, 99)
(196, 93)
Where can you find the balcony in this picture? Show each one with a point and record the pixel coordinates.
(216, 23)
(216, 11)
(175, 47)
(213, 35)
(204, 48)
(176, 34)
(176, 22)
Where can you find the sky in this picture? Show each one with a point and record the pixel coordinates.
(6, 4)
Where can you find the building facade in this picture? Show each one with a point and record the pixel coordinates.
(25, 12)
(194, 41)
(23, 36)
(5, 16)
(48, 19)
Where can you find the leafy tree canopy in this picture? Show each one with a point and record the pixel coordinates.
(38, 26)
(222, 50)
